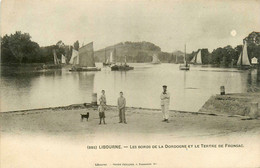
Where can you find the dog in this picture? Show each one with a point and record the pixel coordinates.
(84, 116)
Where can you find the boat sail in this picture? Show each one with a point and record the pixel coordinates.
(63, 59)
(155, 59)
(86, 56)
(86, 60)
(107, 62)
(197, 59)
(243, 58)
(74, 57)
(111, 57)
(55, 58)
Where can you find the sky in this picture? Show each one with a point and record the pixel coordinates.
(168, 24)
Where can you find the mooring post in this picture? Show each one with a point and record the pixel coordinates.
(94, 99)
(222, 90)
(253, 110)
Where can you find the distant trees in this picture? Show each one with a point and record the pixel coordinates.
(141, 45)
(164, 57)
(143, 57)
(18, 48)
(223, 56)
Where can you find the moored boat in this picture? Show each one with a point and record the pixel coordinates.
(197, 58)
(243, 62)
(56, 63)
(121, 67)
(84, 61)
(109, 60)
(184, 66)
(155, 59)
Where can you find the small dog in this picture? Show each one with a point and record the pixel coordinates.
(84, 116)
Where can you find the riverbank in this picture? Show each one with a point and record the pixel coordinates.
(231, 104)
(66, 121)
(57, 136)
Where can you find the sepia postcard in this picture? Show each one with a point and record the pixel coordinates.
(130, 83)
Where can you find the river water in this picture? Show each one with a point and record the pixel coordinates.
(22, 88)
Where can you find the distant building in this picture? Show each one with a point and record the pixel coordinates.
(254, 60)
(253, 38)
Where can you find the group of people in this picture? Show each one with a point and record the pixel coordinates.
(121, 105)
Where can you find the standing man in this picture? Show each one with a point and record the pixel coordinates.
(165, 101)
(121, 102)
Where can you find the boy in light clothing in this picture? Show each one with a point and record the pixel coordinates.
(121, 102)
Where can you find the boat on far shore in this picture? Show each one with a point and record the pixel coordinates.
(155, 59)
(184, 66)
(84, 60)
(108, 60)
(121, 67)
(243, 62)
(197, 59)
(56, 63)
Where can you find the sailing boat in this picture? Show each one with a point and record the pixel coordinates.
(184, 66)
(107, 62)
(122, 67)
(243, 61)
(197, 59)
(63, 59)
(155, 59)
(85, 60)
(74, 57)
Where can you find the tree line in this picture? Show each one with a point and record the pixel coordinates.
(19, 48)
(227, 55)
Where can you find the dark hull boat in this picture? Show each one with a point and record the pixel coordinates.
(82, 69)
(106, 64)
(121, 68)
(184, 67)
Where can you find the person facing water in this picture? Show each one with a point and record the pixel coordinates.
(121, 102)
(102, 99)
(165, 101)
(102, 107)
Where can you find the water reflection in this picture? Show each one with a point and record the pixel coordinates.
(25, 89)
(252, 83)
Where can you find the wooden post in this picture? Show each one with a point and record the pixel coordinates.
(253, 110)
(94, 99)
(222, 90)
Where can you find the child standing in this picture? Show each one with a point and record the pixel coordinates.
(102, 106)
(102, 116)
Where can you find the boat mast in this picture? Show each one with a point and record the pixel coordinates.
(185, 55)
(105, 56)
(242, 54)
(115, 55)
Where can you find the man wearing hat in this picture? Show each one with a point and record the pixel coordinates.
(165, 101)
